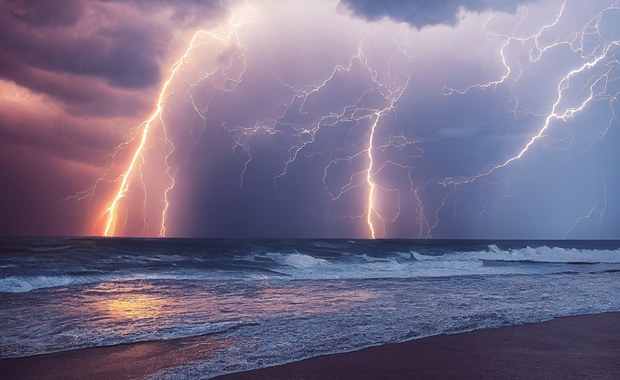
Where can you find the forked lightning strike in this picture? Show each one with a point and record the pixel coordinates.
(145, 129)
(112, 210)
(597, 87)
(365, 155)
(555, 114)
(563, 85)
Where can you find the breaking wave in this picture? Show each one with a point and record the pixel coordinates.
(277, 261)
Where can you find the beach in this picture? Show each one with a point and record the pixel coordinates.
(581, 347)
(574, 347)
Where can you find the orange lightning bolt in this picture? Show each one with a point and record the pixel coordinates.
(112, 210)
(145, 128)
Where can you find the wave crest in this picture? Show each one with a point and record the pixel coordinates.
(309, 263)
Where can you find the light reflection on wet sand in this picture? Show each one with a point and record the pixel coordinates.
(126, 361)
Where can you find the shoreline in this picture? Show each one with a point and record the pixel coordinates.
(573, 347)
(585, 346)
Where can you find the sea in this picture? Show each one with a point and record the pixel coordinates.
(268, 302)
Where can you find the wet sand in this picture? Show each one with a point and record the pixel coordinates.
(582, 347)
(125, 361)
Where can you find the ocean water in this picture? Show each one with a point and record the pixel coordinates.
(266, 302)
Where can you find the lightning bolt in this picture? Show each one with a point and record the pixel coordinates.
(145, 129)
(370, 210)
(562, 86)
(390, 91)
(299, 124)
(594, 207)
(391, 96)
(561, 109)
(111, 211)
(555, 114)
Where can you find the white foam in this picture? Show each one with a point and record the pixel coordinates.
(298, 265)
(414, 264)
(21, 284)
(541, 254)
(298, 260)
(552, 255)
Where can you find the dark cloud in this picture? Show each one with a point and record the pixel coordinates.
(420, 13)
(75, 77)
(270, 138)
(124, 55)
(79, 95)
(186, 12)
(55, 134)
(41, 13)
(120, 42)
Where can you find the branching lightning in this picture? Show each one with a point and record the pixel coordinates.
(367, 149)
(563, 85)
(111, 212)
(357, 113)
(602, 57)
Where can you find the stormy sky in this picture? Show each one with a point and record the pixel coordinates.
(310, 118)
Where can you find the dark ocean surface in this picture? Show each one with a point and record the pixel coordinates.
(266, 302)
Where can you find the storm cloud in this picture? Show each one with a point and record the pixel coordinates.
(452, 119)
(421, 13)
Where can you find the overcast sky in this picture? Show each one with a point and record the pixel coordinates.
(351, 118)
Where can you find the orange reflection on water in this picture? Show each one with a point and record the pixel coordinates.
(136, 306)
(133, 306)
(124, 301)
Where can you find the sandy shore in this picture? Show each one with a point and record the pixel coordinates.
(582, 347)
